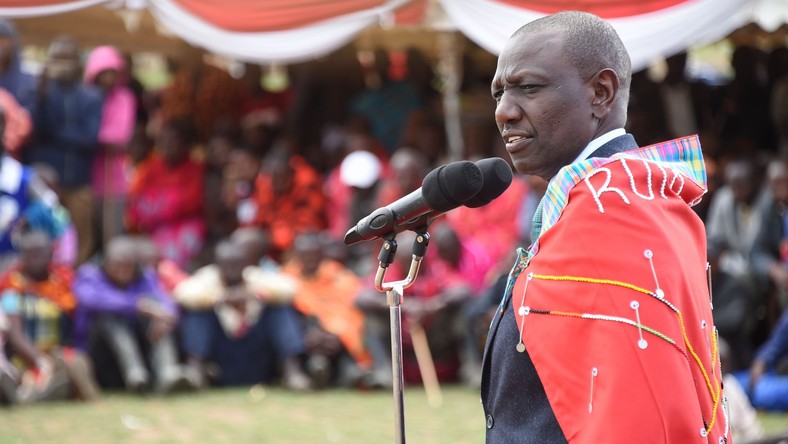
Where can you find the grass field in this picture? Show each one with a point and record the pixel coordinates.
(263, 415)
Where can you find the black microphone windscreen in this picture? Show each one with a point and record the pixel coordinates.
(448, 186)
(497, 176)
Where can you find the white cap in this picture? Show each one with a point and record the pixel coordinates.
(360, 169)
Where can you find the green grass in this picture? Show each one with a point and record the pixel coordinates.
(264, 415)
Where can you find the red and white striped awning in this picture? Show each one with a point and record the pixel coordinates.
(297, 30)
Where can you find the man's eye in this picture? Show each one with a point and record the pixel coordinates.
(497, 95)
(528, 87)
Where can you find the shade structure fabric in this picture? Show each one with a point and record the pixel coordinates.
(266, 31)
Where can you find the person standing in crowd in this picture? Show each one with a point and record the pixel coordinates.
(386, 103)
(352, 191)
(104, 69)
(165, 196)
(618, 259)
(735, 216)
(288, 199)
(239, 318)
(686, 105)
(66, 119)
(26, 202)
(12, 78)
(769, 256)
(201, 92)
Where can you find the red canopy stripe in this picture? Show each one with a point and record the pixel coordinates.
(272, 15)
(412, 13)
(33, 3)
(608, 9)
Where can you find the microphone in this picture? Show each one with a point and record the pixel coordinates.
(443, 189)
(497, 176)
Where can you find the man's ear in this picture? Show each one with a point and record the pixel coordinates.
(605, 84)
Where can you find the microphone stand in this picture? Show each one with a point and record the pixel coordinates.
(394, 292)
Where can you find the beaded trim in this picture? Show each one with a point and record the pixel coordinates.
(716, 395)
(600, 317)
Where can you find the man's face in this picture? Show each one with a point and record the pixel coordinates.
(35, 260)
(543, 106)
(63, 63)
(311, 257)
(231, 266)
(171, 146)
(6, 50)
(121, 270)
(779, 187)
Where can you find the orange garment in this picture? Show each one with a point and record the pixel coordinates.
(300, 209)
(56, 289)
(330, 297)
(205, 93)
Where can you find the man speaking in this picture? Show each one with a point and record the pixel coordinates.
(605, 331)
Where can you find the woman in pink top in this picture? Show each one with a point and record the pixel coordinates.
(106, 68)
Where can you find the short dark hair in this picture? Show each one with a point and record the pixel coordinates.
(591, 44)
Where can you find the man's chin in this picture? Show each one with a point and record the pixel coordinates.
(524, 166)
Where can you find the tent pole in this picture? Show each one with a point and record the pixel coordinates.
(450, 69)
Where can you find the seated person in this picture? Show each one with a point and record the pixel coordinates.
(768, 379)
(463, 260)
(239, 318)
(123, 308)
(8, 374)
(745, 426)
(37, 299)
(434, 303)
(257, 244)
(334, 326)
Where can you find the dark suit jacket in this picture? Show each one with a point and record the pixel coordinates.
(514, 401)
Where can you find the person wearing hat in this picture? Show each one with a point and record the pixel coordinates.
(353, 191)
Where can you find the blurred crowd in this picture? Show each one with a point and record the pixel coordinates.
(189, 237)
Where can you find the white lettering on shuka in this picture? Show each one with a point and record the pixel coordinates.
(604, 188)
(676, 184)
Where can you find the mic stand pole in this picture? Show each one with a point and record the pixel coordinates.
(394, 292)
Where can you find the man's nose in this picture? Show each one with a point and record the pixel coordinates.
(508, 110)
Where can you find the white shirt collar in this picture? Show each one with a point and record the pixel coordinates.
(598, 142)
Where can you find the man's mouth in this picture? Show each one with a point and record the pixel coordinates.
(512, 139)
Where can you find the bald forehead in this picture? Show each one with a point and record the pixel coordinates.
(549, 42)
(119, 249)
(540, 53)
(35, 240)
(64, 48)
(227, 251)
(777, 170)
